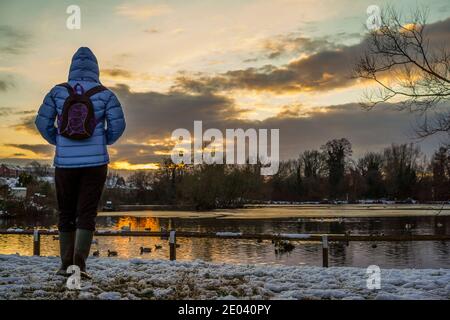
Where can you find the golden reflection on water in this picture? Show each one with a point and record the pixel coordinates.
(417, 254)
(248, 251)
(219, 250)
(138, 223)
(129, 247)
(23, 244)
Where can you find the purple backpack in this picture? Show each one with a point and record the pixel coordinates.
(77, 120)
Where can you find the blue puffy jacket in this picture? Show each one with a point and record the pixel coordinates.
(92, 151)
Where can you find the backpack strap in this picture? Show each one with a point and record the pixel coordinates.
(94, 90)
(68, 87)
(88, 93)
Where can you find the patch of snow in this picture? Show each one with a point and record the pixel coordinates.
(294, 235)
(14, 230)
(25, 277)
(228, 234)
(109, 296)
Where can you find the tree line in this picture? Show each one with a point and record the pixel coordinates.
(399, 172)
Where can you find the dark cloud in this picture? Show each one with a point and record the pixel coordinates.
(291, 44)
(138, 153)
(26, 124)
(153, 116)
(5, 85)
(26, 112)
(121, 74)
(322, 71)
(438, 34)
(293, 111)
(42, 150)
(6, 111)
(117, 73)
(367, 130)
(327, 67)
(13, 41)
(249, 60)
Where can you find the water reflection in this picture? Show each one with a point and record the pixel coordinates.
(134, 223)
(385, 254)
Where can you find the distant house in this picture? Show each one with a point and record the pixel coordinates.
(10, 182)
(10, 171)
(48, 179)
(18, 192)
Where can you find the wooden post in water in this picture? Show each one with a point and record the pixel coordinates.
(325, 251)
(36, 243)
(173, 245)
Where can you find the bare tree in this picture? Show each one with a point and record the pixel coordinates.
(410, 68)
(337, 153)
(313, 163)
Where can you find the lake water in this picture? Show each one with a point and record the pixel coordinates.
(417, 254)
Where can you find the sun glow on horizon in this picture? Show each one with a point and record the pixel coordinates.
(125, 165)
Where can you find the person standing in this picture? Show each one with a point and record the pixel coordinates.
(89, 117)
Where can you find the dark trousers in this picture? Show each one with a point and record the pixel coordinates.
(78, 191)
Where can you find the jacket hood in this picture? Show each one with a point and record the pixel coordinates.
(84, 66)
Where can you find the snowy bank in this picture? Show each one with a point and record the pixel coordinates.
(33, 278)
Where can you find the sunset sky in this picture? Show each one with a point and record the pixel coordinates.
(265, 64)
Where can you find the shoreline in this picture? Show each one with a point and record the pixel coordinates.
(297, 211)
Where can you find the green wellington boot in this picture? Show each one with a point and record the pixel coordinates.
(83, 240)
(66, 249)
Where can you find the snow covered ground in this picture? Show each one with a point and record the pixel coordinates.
(23, 277)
